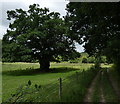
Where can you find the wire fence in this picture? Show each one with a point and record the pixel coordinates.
(45, 93)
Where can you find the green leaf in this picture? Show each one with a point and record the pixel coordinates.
(36, 86)
(29, 82)
(39, 86)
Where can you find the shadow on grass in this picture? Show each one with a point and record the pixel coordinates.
(30, 71)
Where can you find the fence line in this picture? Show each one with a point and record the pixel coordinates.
(58, 86)
(47, 95)
(53, 85)
(51, 93)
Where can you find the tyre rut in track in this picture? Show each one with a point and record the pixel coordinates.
(90, 89)
(102, 99)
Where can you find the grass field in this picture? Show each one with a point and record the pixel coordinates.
(16, 74)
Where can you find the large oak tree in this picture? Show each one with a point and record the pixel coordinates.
(39, 34)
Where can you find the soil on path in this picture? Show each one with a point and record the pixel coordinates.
(91, 89)
(102, 99)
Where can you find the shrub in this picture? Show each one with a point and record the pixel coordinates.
(91, 60)
(74, 61)
(84, 60)
(103, 59)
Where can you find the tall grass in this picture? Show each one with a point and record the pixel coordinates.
(108, 90)
(96, 91)
(115, 76)
(76, 90)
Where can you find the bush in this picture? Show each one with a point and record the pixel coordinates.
(74, 61)
(103, 59)
(91, 60)
(84, 60)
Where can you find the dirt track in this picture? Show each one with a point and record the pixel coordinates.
(90, 89)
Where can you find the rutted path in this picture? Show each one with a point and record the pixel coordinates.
(115, 86)
(102, 99)
(102, 94)
(90, 89)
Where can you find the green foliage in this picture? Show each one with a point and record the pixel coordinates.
(21, 94)
(103, 59)
(114, 52)
(91, 59)
(92, 22)
(97, 25)
(97, 62)
(84, 60)
(29, 82)
(78, 88)
(38, 33)
(74, 61)
(13, 52)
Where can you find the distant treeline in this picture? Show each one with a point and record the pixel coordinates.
(85, 58)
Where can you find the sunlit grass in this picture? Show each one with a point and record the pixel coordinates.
(15, 74)
(73, 87)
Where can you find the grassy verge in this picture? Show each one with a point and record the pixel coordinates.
(115, 76)
(77, 88)
(96, 91)
(108, 91)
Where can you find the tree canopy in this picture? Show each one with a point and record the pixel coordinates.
(97, 25)
(39, 34)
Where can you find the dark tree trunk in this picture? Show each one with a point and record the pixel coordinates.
(44, 64)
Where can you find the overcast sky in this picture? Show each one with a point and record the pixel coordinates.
(53, 5)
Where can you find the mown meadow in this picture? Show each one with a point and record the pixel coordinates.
(24, 82)
(16, 74)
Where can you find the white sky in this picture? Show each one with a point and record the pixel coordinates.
(53, 5)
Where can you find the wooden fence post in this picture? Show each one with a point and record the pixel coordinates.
(60, 88)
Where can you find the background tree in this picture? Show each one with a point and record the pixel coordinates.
(97, 25)
(37, 33)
